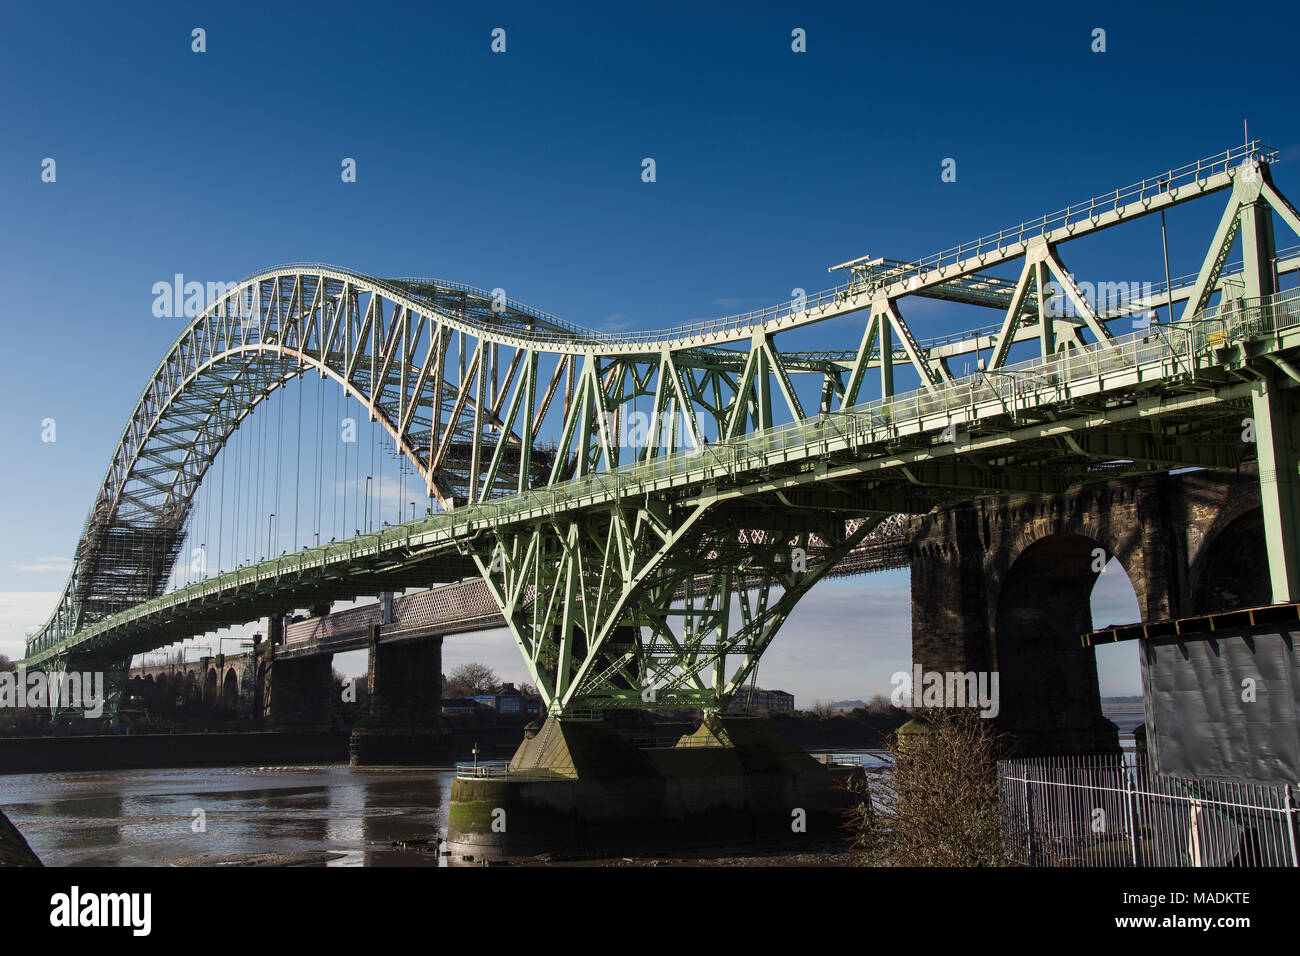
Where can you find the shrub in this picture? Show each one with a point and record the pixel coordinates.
(939, 805)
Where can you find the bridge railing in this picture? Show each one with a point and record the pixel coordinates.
(1074, 214)
(678, 742)
(1174, 346)
(873, 759)
(1081, 212)
(500, 770)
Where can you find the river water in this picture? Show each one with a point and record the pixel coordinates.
(148, 818)
(355, 815)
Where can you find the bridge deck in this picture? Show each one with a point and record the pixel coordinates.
(467, 606)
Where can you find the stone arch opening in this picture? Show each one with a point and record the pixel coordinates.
(190, 696)
(1119, 667)
(1231, 569)
(210, 688)
(230, 692)
(1048, 691)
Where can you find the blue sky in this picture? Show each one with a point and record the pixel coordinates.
(523, 170)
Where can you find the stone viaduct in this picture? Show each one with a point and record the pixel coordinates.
(1004, 585)
(226, 685)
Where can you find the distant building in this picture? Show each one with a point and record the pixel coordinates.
(762, 701)
(458, 705)
(509, 701)
(512, 701)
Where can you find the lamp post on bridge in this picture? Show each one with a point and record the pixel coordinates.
(368, 477)
(1159, 330)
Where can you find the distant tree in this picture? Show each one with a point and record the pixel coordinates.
(880, 704)
(822, 709)
(17, 718)
(470, 679)
(353, 688)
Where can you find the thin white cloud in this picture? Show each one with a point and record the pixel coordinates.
(44, 565)
(20, 612)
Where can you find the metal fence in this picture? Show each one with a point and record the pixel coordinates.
(873, 759)
(1115, 811)
(501, 770)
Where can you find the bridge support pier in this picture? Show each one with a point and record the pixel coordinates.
(1004, 588)
(1048, 699)
(580, 786)
(299, 693)
(405, 724)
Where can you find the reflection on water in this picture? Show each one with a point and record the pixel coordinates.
(1127, 718)
(147, 817)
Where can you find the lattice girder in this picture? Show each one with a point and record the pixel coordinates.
(654, 606)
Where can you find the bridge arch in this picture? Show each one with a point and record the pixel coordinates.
(1047, 679)
(230, 692)
(1111, 517)
(1230, 568)
(190, 696)
(210, 683)
(257, 337)
(169, 692)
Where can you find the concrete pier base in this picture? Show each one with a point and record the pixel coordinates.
(299, 698)
(405, 724)
(581, 788)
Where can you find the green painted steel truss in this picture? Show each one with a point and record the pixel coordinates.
(636, 606)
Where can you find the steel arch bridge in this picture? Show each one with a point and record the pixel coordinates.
(657, 571)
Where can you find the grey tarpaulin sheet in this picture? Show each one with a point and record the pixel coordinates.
(1201, 720)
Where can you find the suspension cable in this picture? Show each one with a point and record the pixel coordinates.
(370, 422)
(238, 476)
(221, 511)
(335, 437)
(279, 447)
(320, 450)
(297, 480)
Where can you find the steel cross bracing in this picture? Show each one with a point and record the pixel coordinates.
(741, 474)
